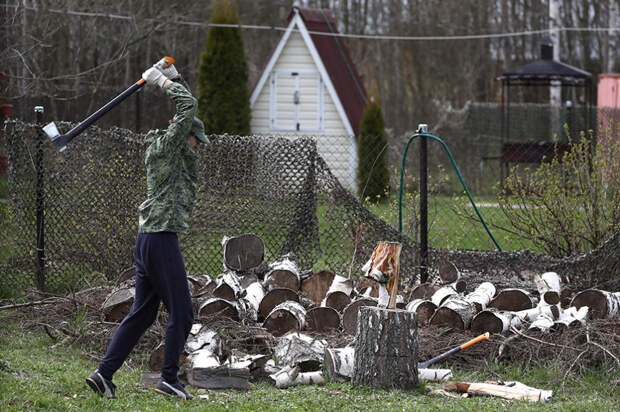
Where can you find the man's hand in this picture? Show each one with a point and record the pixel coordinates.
(154, 77)
(166, 67)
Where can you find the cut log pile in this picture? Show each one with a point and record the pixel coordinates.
(297, 311)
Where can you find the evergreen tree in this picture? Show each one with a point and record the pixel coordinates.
(223, 96)
(373, 180)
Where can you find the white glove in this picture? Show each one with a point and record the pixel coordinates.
(166, 67)
(154, 77)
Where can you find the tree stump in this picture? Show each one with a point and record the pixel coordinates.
(386, 348)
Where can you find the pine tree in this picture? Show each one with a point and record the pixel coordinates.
(373, 180)
(223, 96)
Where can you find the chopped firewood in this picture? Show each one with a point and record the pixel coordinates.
(315, 287)
(448, 273)
(512, 300)
(228, 287)
(206, 372)
(507, 390)
(338, 294)
(284, 273)
(494, 321)
(273, 298)
(543, 323)
(438, 375)
(602, 304)
(423, 308)
(350, 314)
(338, 363)
(481, 296)
(242, 253)
(322, 319)
(254, 294)
(442, 294)
(529, 315)
(285, 317)
(424, 291)
(204, 339)
(383, 266)
(549, 287)
(571, 318)
(455, 312)
(221, 307)
(299, 349)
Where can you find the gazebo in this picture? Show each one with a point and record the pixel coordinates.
(545, 72)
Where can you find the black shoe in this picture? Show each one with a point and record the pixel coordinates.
(101, 385)
(177, 390)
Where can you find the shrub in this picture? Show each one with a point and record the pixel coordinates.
(373, 180)
(570, 204)
(223, 96)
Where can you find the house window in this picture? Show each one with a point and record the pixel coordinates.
(296, 101)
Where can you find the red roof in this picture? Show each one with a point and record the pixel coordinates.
(337, 62)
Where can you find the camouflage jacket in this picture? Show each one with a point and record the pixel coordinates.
(172, 169)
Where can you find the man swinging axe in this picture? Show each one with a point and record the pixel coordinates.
(172, 170)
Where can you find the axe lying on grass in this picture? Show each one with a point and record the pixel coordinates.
(61, 140)
(424, 365)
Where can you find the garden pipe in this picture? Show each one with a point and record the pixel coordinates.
(402, 174)
(62, 140)
(424, 365)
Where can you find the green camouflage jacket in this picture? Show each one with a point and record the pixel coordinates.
(172, 169)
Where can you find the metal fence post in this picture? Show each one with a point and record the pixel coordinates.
(422, 128)
(40, 202)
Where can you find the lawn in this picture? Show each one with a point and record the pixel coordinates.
(35, 375)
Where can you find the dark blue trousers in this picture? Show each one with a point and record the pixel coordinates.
(160, 276)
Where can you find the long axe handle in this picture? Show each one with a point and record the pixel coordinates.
(62, 140)
(422, 365)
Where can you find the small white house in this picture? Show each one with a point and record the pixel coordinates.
(310, 87)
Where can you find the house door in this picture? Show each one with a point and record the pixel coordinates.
(296, 101)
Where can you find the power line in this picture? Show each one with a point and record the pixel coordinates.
(344, 35)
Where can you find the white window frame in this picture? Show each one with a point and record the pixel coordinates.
(273, 95)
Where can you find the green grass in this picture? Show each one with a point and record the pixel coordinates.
(35, 376)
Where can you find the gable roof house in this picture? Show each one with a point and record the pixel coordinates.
(310, 87)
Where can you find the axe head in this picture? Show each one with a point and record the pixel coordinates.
(52, 132)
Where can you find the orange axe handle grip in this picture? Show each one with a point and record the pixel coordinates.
(475, 340)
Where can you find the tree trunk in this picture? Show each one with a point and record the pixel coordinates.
(244, 252)
(481, 296)
(549, 287)
(455, 313)
(423, 308)
(602, 304)
(283, 274)
(273, 298)
(386, 349)
(322, 319)
(285, 317)
(350, 314)
(338, 363)
(512, 300)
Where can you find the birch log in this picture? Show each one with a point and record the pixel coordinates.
(254, 296)
(602, 304)
(284, 273)
(322, 319)
(228, 287)
(510, 390)
(243, 252)
(481, 296)
(424, 291)
(434, 374)
(206, 372)
(350, 314)
(316, 286)
(494, 321)
(455, 313)
(299, 349)
(549, 287)
(448, 273)
(442, 294)
(338, 294)
(543, 323)
(118, 303)
(220, 307)
(285, 317)
(571, 318)
(423, 308)
(512, 300)
(338, 363)
(386, 348)
(273, 298)
(529, 315)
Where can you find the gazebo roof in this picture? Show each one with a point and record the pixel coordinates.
(546, 70)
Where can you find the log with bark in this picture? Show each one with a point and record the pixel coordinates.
(219, 307)
(530, 315)
(423, 308)
(512, 300)
(273, 298)
(494, 321)
(298, 349)
(351, 312)
(285, 317)
(322, 319)
(284, 273)
(507, 390)
(205, 338)
(424, 291)
(338, 294)
(542, 323)
(448, 273)
(118, 303)
(242, 253)
(292, 376)
(481, 296)
(602, 304)
(386, 348)
(571, 318)
(384, 266)
(205, 371)
(228, 287)
(435, 375)
(338, 363)
(254, 295)
(455, 313)
(315, 287)
(549, 287)
(442, 294)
